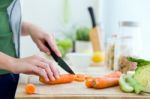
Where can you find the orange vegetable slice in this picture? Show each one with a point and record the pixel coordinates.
(114, 74)
(89, 83)
(79, 77)
(30, 88)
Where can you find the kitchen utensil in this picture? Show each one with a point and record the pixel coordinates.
(59, 60)
(95, 32)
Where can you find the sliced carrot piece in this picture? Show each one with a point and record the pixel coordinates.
(79, 77)
(30, 88)
(89, 82)
(88, 77)
(114, 74)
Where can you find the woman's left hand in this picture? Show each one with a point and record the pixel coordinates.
(40, 37)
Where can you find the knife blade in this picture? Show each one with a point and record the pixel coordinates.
(59, 60)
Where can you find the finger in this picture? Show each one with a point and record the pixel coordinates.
(43, 48)
(41, 72)
(52, 44)
(47, 68)
(50, 73)
(40, 62)
(55, 71)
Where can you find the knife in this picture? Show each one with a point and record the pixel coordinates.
(59, 60)
(95, 33)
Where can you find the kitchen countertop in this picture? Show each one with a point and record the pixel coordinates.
(76, 90)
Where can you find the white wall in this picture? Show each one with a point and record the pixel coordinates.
(49, 15)
(115, 11)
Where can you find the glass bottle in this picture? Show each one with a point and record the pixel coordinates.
(110, 50)
(128, 45)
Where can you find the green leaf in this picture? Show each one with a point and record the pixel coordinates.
(140, 62)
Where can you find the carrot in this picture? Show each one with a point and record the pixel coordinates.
(88, 77)
(105, 82)
(88, 82)
(30, 88)
(114, 74)
(79, 77)
(64, 78)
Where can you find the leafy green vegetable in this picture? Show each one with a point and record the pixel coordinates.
(138, 88)
(140, 62)
(141, 75)
(142, 72)
(82, 34)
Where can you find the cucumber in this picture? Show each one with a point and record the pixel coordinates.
(125, 87)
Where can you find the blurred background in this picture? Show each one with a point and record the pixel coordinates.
(65, 18)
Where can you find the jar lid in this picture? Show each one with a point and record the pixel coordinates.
(128, 23)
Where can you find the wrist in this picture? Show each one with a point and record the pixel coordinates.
(12, 63)
(6, 62)
(26, 28)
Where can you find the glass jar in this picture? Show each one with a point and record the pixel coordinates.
(110, 50)
(128, 45)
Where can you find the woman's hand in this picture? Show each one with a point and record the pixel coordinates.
(35, 65)
(40, 37)
(31, 65)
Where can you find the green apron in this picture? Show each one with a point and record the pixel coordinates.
(6, 36)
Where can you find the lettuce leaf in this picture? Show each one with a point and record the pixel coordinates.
(140, 62)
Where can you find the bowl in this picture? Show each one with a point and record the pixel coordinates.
(79, 60)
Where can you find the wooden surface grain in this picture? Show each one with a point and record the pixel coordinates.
(76, 90)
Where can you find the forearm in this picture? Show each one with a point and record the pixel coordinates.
(25, 29)
(6, 62)
(28, 28)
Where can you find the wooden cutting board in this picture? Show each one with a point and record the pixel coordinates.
(76, 90)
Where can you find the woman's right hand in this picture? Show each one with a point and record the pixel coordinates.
(35, 65)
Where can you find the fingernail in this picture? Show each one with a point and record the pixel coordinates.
(53, 78)
(47, 79)
(57, 76)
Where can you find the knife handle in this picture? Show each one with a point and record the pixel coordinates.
(52, 52)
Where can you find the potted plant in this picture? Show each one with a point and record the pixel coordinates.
(83, 43)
